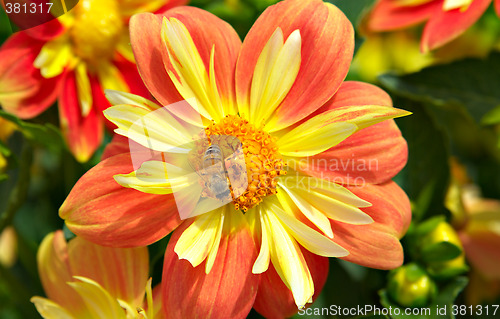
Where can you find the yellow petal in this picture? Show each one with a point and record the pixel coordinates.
(158, 130)
(83, 88)
(288, 260)
(262, 262)
(118, 97)
(306, 236)
(293, 201)
(157, 177)
(197, 241)
(191, 77)
(215, 246)
(274, 74)
(456, 4)
(99, 302)
(124, 48)
(111, 78)
(314, 137)
(49, 309)
(54, 56)
(313, 195)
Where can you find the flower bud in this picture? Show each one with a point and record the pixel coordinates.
(410, 286)
(442, 252)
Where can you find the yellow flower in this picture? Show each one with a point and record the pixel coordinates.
(83, 280)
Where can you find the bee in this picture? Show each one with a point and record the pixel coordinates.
(214, 173)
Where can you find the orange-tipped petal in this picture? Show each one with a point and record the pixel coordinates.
(372, 155)
(275, 300)
(445, 26)
(110, 267)
(221, 38)
(151, 54)
(388, 15)
(55, 271)
(227, 291)
(23, 91)
(377, 245)
(83, 133)
(482, 251)
(327, 44)
(102, 211)
(147, 46)
(497, 7)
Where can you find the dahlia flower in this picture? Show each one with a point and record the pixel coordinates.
(444, 19)
(304, 136)
(83, 280)
(71, 59)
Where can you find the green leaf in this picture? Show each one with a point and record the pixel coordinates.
(4, 149)
(440, 308)
(47, 136)
(426, 176)
(492, 117)
(438, 252)
(470, 82)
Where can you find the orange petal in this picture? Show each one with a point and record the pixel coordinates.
(377, 245)
(55, 272)
(23, 91)
(118, 145)
(83, 133)
(327, 45)
(220, 37)
(388, 15)
(150, 52)
(497, 7)
(96, 210)
(482, 251)
(445, 26)
(275, 300)
(372, 155)
(147, 46)
(228, 291)
(110, 267)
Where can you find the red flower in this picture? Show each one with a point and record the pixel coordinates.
(445, 19)
(72, 59)
(281, 94)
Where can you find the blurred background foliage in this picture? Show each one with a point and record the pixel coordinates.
(453, 137)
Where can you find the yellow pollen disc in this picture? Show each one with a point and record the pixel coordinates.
(96, 29)
(263, 161)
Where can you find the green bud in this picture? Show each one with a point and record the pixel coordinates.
(442, 252)
(410, 286)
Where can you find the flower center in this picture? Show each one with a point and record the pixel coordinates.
(96, 30)
(262, 160)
